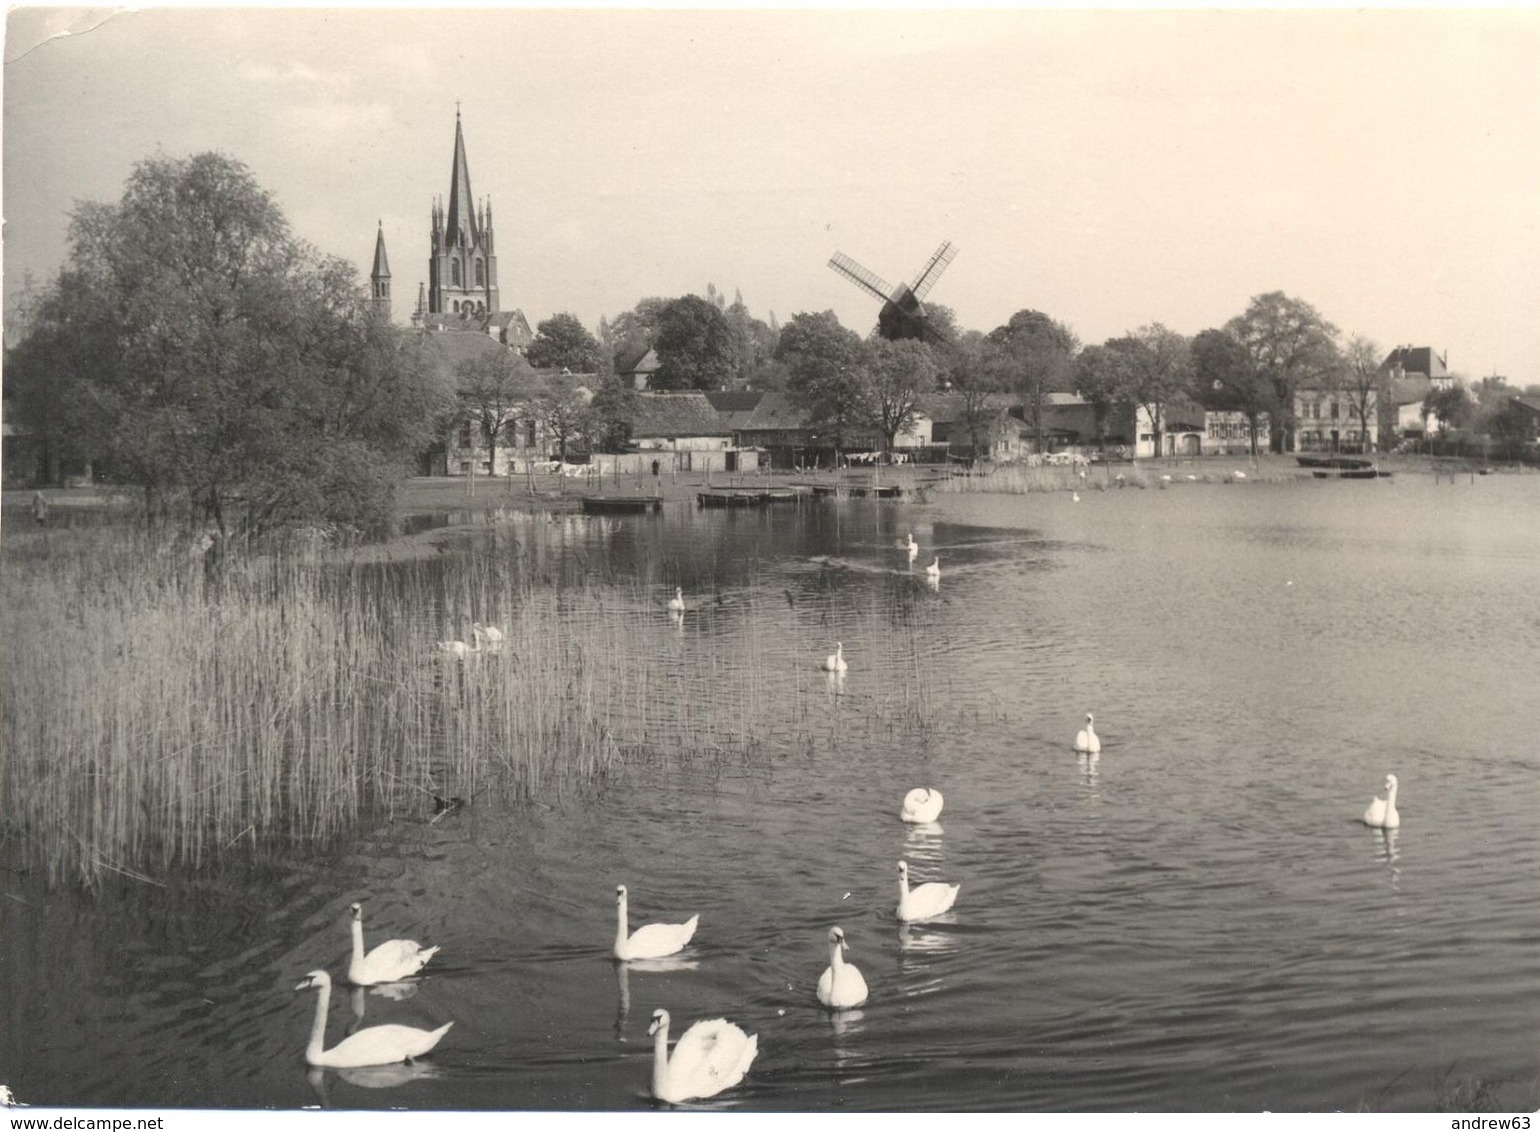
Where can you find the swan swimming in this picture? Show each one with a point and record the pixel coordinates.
(921, 805)
(373, 1045)
(389, 962)
(1086, 739)
(930, 899)
(1381, 813)
(708, 1057)
(835, 661)
(841, 986)
(650, 941)
(676, 603)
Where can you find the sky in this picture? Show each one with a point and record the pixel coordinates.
(1112, 168)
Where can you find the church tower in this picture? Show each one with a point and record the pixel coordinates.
(462, 269)
(379, 278)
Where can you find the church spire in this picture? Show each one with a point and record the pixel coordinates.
(379, 278)
(461, 228)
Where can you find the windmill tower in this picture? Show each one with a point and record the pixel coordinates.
(903, 313)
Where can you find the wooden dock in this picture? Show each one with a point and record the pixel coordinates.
(621, 504)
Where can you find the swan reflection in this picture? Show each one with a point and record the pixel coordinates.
(1386, 850)
(369, 1077)
(919, 939)
(623, 969)
(836, 683)
(1088, 764)
(846, 1024)
(922, 842)
(933, 582)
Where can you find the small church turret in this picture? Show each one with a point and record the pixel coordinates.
(379, 278)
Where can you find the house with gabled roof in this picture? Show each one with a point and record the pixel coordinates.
(637, 366)
(684, 432)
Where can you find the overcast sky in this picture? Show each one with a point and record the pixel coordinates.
(1110, 168)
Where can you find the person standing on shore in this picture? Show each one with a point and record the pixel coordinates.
(39, 508)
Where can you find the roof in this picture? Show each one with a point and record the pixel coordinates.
(451, 347)
(1530, 403)
(672, 415)
(1185, 414)
(641, 360)
(774, 412)
(734, 400)
(1415, 359)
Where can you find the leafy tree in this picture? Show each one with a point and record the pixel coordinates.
(1038, 352)
(610, 415)
(694, 344)
(562, 409)
(1288, 342)
(1156, 368)
(976, 377)
(1221, 364)
(1452, 407)
(209, 357)
(825, 364)
(1102, 378)
(1509, 423)
(492, 387)
(753, 342)
(899, 374)
(562, 342)
(632, 331)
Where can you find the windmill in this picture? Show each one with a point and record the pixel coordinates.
(903, 313)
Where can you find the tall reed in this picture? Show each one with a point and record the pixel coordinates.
(155, 717)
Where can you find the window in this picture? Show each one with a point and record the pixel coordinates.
(481, 273)
(529, 434)
(465, 435)
(454, 272)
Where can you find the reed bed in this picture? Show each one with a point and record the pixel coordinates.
(157, 717)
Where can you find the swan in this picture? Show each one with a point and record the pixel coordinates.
(923, 902)
(1086, 738)
(835, 661)
(458, 649)
(373, 1045)
(676, 603)
(1075, 496)
(489, 637)
(934, 569)
(841, 985)
(921, 805)
(389, 962)
(708, 1058)
(1382, 811)
(911, 546)
(650, 941)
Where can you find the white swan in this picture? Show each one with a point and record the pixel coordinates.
(389, 962)
(650, 941)
(459, 650)
(708, 1058)
(934, 569)
(911, 546)
(927, 900)
(921, 805)
(373, 1045)
(1382, 811)
(1086, 738)
(676, 603)
(835, 661)
(488, 637)
(841, 986)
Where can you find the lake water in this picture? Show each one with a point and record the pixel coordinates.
(1195, 920)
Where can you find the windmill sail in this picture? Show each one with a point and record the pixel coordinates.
(861, 277)
(928, 275)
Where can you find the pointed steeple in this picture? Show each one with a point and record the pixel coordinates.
(461, 229)
(379, 278)
(381, 264)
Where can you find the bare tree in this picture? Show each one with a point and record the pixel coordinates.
(1360, 382)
